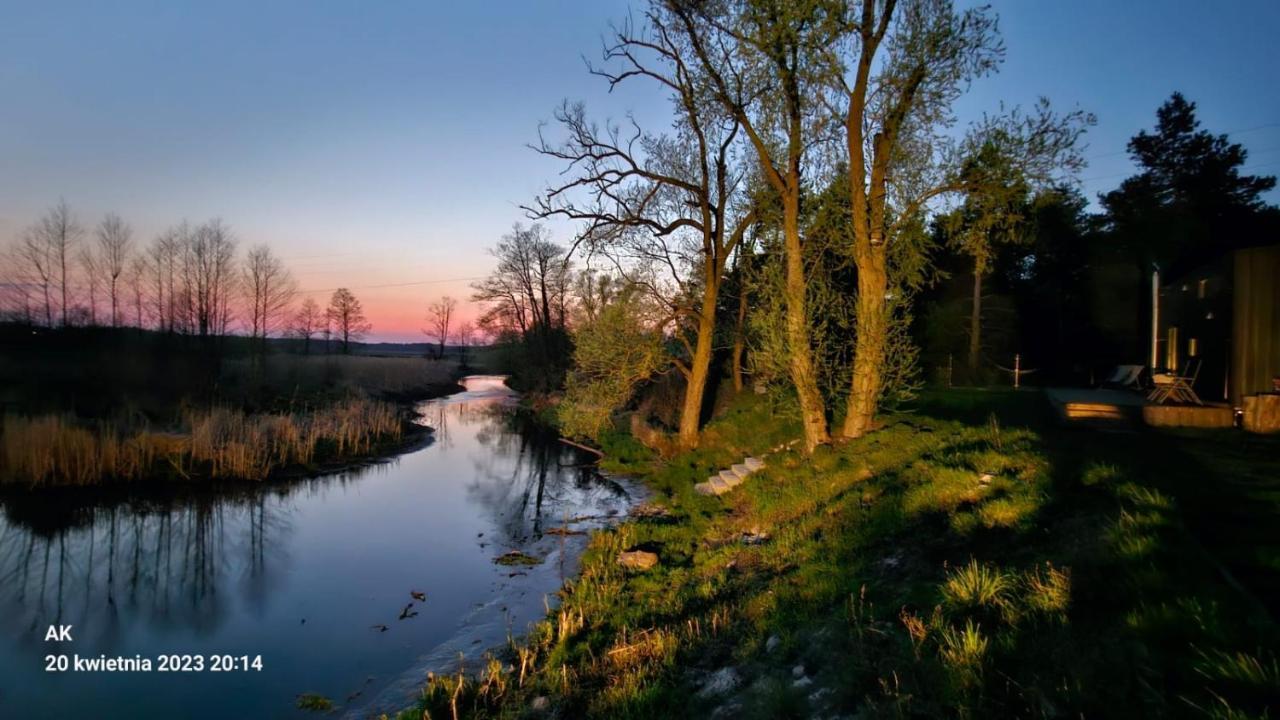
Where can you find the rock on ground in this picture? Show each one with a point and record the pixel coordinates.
(720, 682)
(637, 559)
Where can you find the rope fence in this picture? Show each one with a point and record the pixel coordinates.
(1017, 370)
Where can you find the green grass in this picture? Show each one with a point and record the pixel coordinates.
(965, 560)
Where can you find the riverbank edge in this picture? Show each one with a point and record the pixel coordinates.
(414, 436)
(759, 663)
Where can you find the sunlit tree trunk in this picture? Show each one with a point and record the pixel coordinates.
(871, 327)
(700, 363)
(812, 411)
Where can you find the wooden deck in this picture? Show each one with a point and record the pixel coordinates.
(1121, 410)
(1115, 410)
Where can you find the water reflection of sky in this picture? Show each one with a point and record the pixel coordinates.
(302, 573)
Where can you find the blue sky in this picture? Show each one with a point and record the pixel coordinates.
(381, 143)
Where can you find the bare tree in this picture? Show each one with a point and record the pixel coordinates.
(209, 278)
(346, 316)
(464, 336)
(18, 284)
(439, 313)
(92, 268)
(527, 292)
(667, 211)
(115, 246)
(269, 289)
(308, 322)
(136, 279)
(58, 235)
(36, 254)
(162, 263)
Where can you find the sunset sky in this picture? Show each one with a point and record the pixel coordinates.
(380, 145)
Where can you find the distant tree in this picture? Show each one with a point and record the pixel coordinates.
(269, 290)
(308, 321)
(92, 268)
(209, 278)
(526, 298)
(136, 279)
(162, 264)
(346, 316)
(996, 203)
(37, 255)
(115, 246)
(1189, 201)
(465, 336)
(439, 313)
(59, 234)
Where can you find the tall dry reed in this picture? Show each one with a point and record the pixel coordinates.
(218, 443)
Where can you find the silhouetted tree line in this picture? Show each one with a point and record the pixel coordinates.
(188, 282)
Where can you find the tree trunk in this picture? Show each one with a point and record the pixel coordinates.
(975, 323)
(872, 316)
(699, 366)
(812, 412)
(740, 331)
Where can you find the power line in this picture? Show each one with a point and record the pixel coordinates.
(1241, 131)
(1244, 168)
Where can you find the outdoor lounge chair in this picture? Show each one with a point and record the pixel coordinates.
(1127, 377)
(1177, 387)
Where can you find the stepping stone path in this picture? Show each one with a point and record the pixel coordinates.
(729, 479)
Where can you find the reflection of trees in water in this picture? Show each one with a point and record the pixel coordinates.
(526, 477)
(170, 560)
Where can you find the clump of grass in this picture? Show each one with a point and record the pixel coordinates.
(1007, 512)
(1047, 590)
(976, 588)
(1240, 668)
(1100, 474)
(963, 652)
(517, 558)
(941, 489)
(314, 702)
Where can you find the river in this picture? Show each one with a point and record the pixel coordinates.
(312, 577)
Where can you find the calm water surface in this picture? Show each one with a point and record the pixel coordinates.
(303, 574)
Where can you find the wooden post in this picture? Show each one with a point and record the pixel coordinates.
(1017, 369)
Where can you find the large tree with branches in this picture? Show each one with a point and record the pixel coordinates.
(666, 211)
(894, 74)
(757, 62)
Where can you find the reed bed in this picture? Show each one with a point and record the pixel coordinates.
(50, 450)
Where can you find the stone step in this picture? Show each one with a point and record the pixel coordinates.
(730, 478)
(741, 471)
(753, 464)
(714, 486)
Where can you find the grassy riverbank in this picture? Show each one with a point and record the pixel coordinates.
(256, 418)
(970, 559)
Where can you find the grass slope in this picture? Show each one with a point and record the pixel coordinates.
(966, 560)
